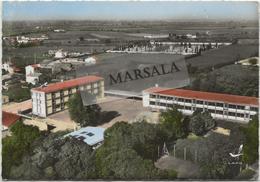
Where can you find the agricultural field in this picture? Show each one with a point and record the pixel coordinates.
(222, 56)
(98, 36)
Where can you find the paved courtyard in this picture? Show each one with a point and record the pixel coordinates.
(114, 110)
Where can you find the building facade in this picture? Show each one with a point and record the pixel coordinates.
(32, 73)
(54, 97)
(221, 106)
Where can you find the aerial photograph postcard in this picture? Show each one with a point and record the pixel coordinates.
(130, 91)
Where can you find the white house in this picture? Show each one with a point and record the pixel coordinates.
(22, 39)
(60, 54)
(90, 60)
(8, 66)
(59, 30)
(31, 69)
(32, 76)
(190, 36)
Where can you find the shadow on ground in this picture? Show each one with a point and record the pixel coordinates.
(107, 116)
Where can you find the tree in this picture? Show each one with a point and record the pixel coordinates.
(16, 146)
(143, 137)
(84, 115)
(129, 151)
(126, 164)
(197, 126)
(57, 158)
(173, 121)
(215, 161)
(201, 122)
(250, 147)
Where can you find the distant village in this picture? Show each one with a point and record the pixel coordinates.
(61, 60)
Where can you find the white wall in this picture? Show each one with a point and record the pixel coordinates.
(147, 99)
(32, 79)
(29, 70)
(38, 103)
(146, 102)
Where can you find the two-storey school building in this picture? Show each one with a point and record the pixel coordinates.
(52, 98)
(221, 106)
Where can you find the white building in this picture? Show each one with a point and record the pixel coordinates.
(31, 69)
(22, 39)
(31, 74)
(59, 30)
(90, 60)
(92, 136)
(190, 36)
(221, 106)
(156, 36)
(54, 97)
(69, 60)
(60, 54)
(8, 66)
(33, 78)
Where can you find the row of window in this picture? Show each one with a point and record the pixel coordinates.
(90, 88)
(57, 107)
(209, 110)
(217, 104)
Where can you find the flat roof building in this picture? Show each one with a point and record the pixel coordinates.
(53, 98)
(92, 136)
(221, 106)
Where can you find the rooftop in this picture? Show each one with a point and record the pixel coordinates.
(35, 65)
(155, 89)
(9, 118)
(210, 96)
(89, 135)
(68, 84)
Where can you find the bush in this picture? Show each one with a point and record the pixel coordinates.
(172, 174)
(18, 94)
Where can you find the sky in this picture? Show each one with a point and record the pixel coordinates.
(129, 10)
